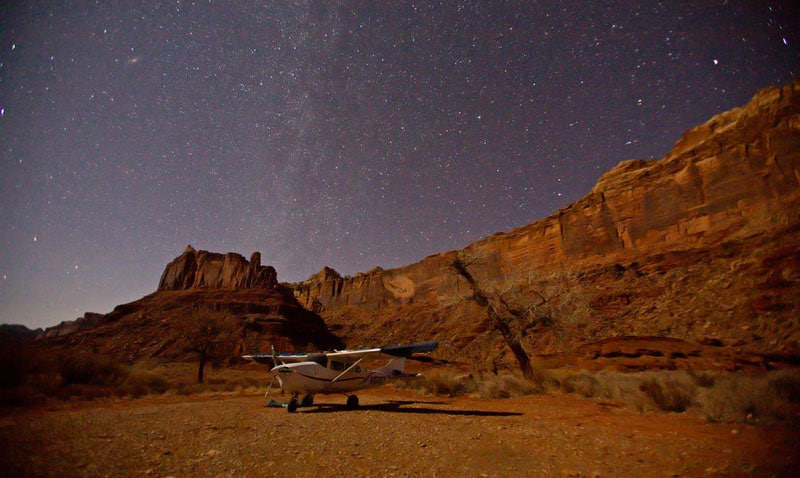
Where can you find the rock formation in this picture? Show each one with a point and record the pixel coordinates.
(69, 326)
(245, 293)
(701, 244)
(684, 262)
(202, 269)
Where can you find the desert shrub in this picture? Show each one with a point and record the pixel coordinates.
(13, 370)
(743, 398)
(141, 383)
(717, 396)
(452, 384)
(618, 385)
(22, 395)
(702, 379)
(581, 383)
(443, 382)
(506, 386)
(188, 387)
(786, 384)
(91, 370)
(670, 394)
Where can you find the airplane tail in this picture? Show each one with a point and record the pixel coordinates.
(395, 367)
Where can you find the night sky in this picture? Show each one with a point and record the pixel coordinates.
(346, 134)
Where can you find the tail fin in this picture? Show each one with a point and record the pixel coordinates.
(394, 367)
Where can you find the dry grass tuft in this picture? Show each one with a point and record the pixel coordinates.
(669, 394)
(716, 396)
(143, 383)
(742, 398)
(442, 382)
(449, 383)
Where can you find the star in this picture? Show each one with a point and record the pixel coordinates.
(350, 136)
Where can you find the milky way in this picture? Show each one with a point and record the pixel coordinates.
(346, 134)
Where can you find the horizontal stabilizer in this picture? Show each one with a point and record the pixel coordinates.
(260, 358)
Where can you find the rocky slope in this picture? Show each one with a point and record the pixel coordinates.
(702, 245)
(243, 294)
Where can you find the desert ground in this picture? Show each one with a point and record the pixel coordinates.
(394, 433)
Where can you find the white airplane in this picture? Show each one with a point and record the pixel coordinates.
(337, 372)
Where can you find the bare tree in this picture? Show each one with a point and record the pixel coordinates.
(210, 335)
(502, 314)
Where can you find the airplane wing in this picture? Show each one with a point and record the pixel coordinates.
(365, 354)
(282, 358)
(406, 350)
(386, 352)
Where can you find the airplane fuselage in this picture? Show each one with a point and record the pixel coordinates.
(334, 376)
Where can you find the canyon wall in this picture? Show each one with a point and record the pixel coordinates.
(732, 182)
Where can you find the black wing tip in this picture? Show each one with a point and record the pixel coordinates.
(406, 350)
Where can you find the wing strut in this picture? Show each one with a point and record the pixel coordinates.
(342, 374)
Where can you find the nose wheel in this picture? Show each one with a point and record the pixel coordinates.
(308, 400)
(294, 403)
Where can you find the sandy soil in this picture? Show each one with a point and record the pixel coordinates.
(394, 433)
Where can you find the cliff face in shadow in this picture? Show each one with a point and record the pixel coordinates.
(700, 245)
(246, 294)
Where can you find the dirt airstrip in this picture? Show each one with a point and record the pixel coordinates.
(394, 433)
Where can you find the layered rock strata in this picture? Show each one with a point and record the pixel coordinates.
(720, 213)
(202, 269)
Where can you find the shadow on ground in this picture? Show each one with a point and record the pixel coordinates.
(404, 406)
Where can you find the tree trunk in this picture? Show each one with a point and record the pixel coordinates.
(200, 367)
(500, 324)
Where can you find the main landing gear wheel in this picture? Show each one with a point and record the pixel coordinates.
(352, 402)
(292, 406)
(307, 400)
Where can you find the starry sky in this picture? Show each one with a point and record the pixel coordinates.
(346, 134)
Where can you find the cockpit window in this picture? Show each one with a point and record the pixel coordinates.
(321, 359)
(342, 366)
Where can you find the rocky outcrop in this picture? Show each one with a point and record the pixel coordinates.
(710, 214)
(156, 326)
(14, 334)
(70, 326)
(202, 269)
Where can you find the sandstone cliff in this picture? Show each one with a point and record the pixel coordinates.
(700, 245)
(245, 293)
(202, 269)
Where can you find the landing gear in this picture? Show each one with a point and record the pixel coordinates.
(352, 402)
(294, 403)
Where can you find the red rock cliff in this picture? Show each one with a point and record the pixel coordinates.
(202, 269)
(727, 190)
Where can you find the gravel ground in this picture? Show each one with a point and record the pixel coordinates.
(394, 433)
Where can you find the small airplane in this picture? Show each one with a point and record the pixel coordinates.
(337, 372)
